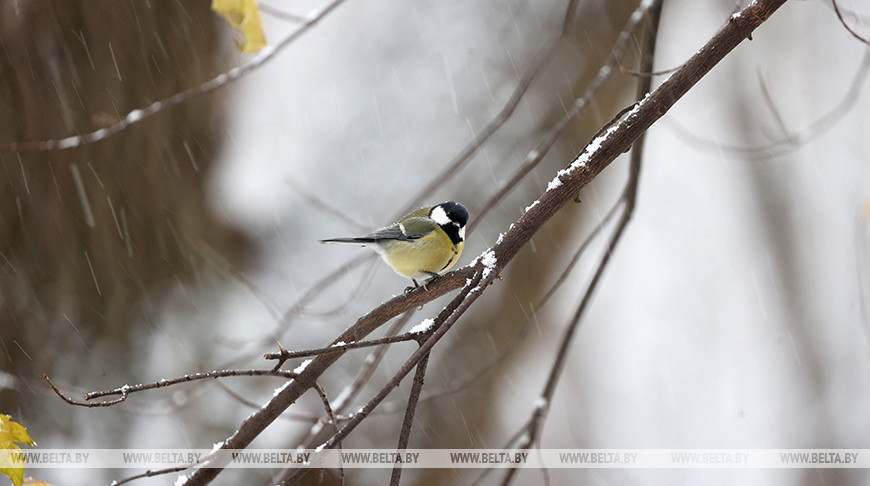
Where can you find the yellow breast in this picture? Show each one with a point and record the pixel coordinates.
(432, 254)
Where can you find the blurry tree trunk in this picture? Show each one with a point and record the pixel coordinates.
(88, 233)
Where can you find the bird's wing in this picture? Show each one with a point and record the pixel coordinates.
(410, 229)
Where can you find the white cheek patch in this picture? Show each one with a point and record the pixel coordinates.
(439, 216)
(462, 233)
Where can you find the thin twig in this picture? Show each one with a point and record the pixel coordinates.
(533, 427)
(408, 421)
(126, 390)
(799, 137)
(843, 21)
(543, 58)
(325, 205)
(328, 408)
(367, 370)
(536, 155)
(78, 403)
(283, 355)
(150, 474)
(136, 116)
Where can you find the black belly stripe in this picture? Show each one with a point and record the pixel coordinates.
(449, 261)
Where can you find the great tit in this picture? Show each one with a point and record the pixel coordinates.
(424, 243)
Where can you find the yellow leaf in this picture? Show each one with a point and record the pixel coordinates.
(243, 16)
(12, 434)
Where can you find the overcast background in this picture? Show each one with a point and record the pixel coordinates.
(734, 313)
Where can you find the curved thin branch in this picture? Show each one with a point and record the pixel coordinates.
(843, 22)
(799, 137)
(136, 116)
(126, 390)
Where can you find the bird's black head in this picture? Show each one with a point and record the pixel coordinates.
(451, 216)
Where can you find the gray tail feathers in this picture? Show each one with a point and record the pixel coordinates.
(358, 239)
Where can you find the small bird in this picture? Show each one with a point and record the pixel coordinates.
(424, 243)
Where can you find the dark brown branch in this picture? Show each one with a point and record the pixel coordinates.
(408, 420)
(445, 320)
(329, 413)
(513, 345)
(126, 390)
(339, 347)
(369, 365)
(150, 474)
(594, 159)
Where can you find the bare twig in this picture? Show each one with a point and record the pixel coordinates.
(328, 408)
(533, 427)
(798, 137)
(150, 474)
(479, 138)
(283, 355)
(349, 393)
(73, 401)
(135, 116)
(126, 390)
(325, 205)
(408, 421)
(843, 21)
(536, 155)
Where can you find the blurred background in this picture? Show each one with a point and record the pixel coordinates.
(734, 313)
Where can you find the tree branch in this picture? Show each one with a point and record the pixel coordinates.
(597, 155)
(542, 404)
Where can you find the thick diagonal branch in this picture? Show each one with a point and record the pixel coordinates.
(594, 159)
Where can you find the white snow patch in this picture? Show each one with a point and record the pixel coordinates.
(556, 182)
(68, 142)
(530, 206)
(279, 390)
(424, 326)
(489, 259)
(301, 367)
(134, 116)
